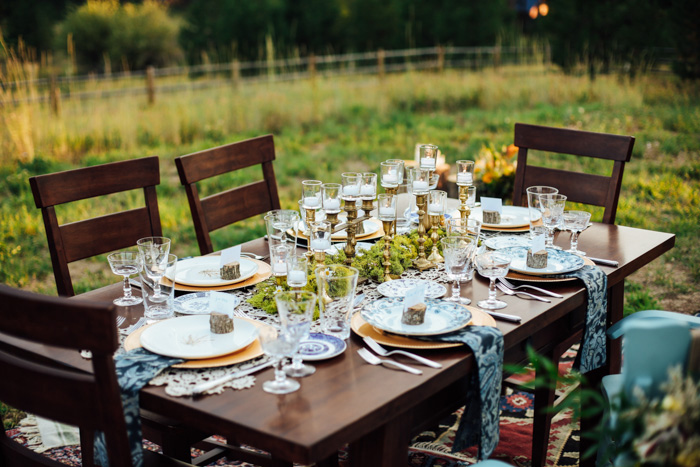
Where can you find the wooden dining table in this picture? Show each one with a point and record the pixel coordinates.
(376, 410)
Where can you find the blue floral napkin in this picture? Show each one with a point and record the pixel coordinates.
(134, 370)
(479, 422)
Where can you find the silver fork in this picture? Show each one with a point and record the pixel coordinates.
(254, 256)
(519, 293)
(135, 326)
(510, 285)
(378, 349)
(120, 320)
(372, 359)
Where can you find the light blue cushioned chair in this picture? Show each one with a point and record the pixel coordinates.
(654, 341)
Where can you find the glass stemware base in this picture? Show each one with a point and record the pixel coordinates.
(494, 304)
(280, 385)
(456, 291)
(298, 369)
(128, 301)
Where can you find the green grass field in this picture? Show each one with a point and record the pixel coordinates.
(330, 126)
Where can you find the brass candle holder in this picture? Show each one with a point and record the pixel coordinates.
(351, 228)
(464, 210)
(319, 258)
(388, 225)
(332, 218)
(310, 219)
(392, 191)
(421, 263)
(435, 256)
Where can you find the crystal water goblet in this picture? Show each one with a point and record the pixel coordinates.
(492, 265)
(277, 345)
(154, 254)
(296, 311)
(457, 251)
(552, 211)
(576, 222)
(535, 207)
(125, 264)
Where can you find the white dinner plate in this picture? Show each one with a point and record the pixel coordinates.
(321, 347)
(507, 241)
(197, 303)
(511, 217)
(190, 337)
(359, 247)
(203, 271)
(441, 317)
(371, 226)
(398, 288)
(558, 261)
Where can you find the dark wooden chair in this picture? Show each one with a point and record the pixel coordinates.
(586, 188)
(74, 241)
(38, 385)
(221, 209)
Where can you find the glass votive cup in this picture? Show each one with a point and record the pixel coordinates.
(278, 258)
(402, 170)
(390, 176)
(386, 207)
(420, 180)
(320, 236)
(331, 197)
(311, 194)
(351, 182)
(368, 189)
(427, 156)
(436, 202)
(471, 196)
(465, 173)
(297, 270)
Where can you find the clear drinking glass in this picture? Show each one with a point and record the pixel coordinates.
(336, 291)
(125, 264)
(154, 254)
(457, 226)
(493, 265)
(576, 222)
(296, 311)
(535, 207)
(278, 345)
(159, 309)
(457, 252)
(297, 270)
(552, 212)
(279, 223)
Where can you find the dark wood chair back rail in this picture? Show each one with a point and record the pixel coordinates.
(221, 209)
(90, 237)
(596, 190)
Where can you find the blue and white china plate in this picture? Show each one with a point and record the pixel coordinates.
(321, 347)
(558, 261)
(203, 271)
(398, 288)
(190, 337)
(197, 303)
(507, 241)
(441, 317)
(511, 217)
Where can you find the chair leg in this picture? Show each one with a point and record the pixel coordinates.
(542, 422)
(87, 448)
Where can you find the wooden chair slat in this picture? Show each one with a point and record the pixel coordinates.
(250, 200)
(578, 187)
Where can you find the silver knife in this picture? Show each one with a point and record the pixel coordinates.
(202, 387)
(605, 262)
(504, 316)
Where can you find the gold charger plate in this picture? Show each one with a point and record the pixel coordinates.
(528, 278)
(378, 234)
(506, 229)
(254, 350)
(363, 329)
(264, 271)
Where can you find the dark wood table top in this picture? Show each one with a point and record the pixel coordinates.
(349, 401)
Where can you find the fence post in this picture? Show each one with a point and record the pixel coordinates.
(497, 56)
(312, 67)
(151, 85)
(440, 59)
(380, 63)
(54, 96)
(236, 73)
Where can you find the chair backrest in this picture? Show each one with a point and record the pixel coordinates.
(650, 347)
(74, 241)
(592, 189)
(221, 209)
(38, 385)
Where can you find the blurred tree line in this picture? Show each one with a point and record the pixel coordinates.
(103, 34)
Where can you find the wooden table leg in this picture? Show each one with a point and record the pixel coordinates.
(387, 446)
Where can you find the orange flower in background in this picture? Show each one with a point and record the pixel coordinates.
(511, 150)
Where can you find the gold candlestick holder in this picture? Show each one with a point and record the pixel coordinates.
(426, 219)
(435, 256)
(392, 191)
(351, 229)
(387, 249)
(310, 219)
(332, 218)
(464, 210)
(320, 258)
(421, 263)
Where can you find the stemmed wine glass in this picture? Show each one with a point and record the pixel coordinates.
(552, 210)
(493, 265)
(296, 311)
(277, 345)
(576, 222)
(125, 264)
(457, 251)
(154, 254)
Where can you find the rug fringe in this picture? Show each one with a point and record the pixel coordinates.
(29, 429)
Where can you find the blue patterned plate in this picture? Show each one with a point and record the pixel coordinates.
(398, 288)
(507, 241)
(441, 317)
(558, 261)
(321, 347)
(196, 303)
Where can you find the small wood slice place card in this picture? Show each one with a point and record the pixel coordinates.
(414, 306)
